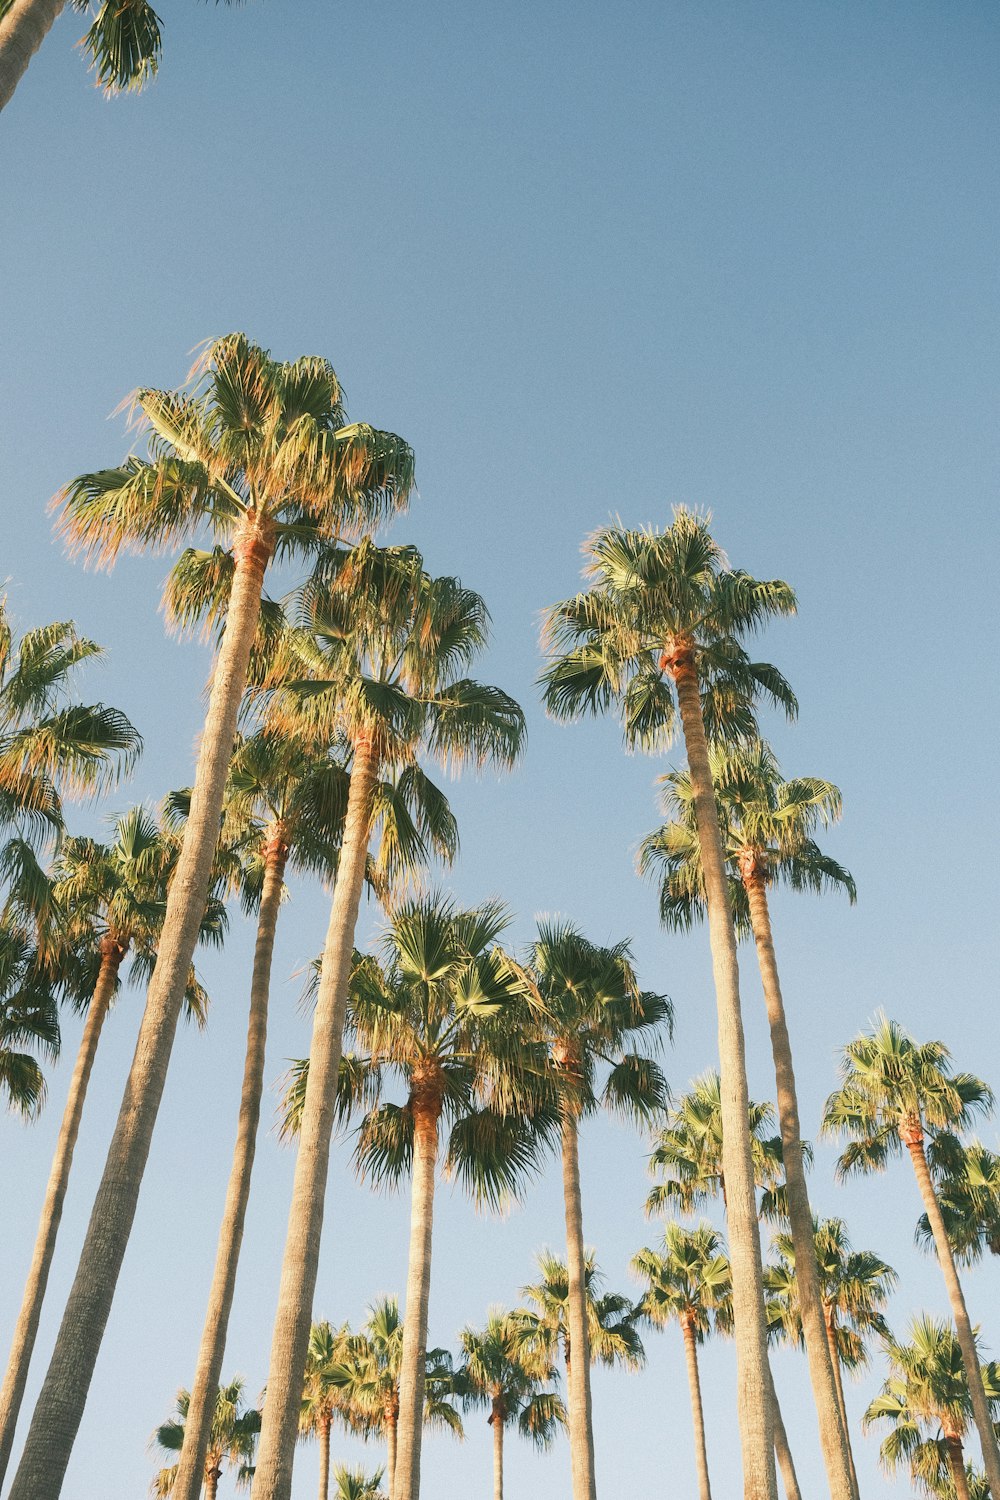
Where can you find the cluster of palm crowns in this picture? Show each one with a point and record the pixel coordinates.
(326, 713)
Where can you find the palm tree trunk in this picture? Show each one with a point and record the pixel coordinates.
(390, 1455)
(208, 1372)
(413, 1364)
(829, 1323)
(324, 1459)
(63, 1396)
(26, 1329)
(833, 1438)
(956, 1463)
(293, 1319)
(581, 1419)
(22, 31)
(697, 1410)
(497, 1424)
(753, 1407)
(959, 1311)
(212, 1478)
(782, 1451)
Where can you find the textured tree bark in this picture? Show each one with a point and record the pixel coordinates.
(22, 31)
(26, 1329)
(783, 1452)
(496, 1421)
(63, 1396)
(390, 1455)
(212, 1477)
(956, 1463)
(753, 1404)
(833, 1437)
(581, 1421)
(913, 1140)
(324, 1459)
(697, 1410)
(208, 1371)
(426, 1105)
(830, 1323)
(293, 1319)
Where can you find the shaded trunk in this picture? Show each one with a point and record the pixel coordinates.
(208, 1371)
(390, 1455)
(413, 1366)
(22, 31)
(496, 1422)
(830, 1324)
(697, 1411)
(63, 1396)
(293, 1319)
(581, 1417)
(324, 1459)
(913, 1140)
(782, 1451)
(212, 1477)
(749, 1327)
(956, 1463)
(832, 1433)
(26, 1328)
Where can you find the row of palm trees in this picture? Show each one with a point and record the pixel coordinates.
(326, 712)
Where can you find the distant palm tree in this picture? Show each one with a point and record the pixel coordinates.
(689, 1283)
(355, 1484)
(894, 1094)
(495, 1373)
(29, 1018)
(233, 1438)
(967, 1179)
(926, 1400)
(322, 1400)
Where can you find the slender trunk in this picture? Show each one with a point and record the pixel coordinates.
(959, 1311)
(783, 1452)
(830, 1324)
(581, 1420)
(22, 31)
(63, 1396)
(753, 1406)
(212, 1477)
(26, 1329)
(956, 1463)
(496, 1422)
(390, 1454)
(697, 1411)
(324, 1459)
(208, 1372)
(413, 1366)
(832, 1435)
(293, 1319)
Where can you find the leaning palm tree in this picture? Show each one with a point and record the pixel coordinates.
(895, 1093)
(967, 1178)
(689, 1283)
(597, 1027)
(255, 453)
(496, 1374)
(234, 1436)
(658, 634)
(855, 1286)
(29, 1022)
(322, 1400)
(926, 1400)
(768, 827)
(376, 667)
(445, 1014)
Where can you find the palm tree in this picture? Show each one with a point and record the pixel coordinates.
(592, 1018)
(894, 1094)
(926, 1399)
(768, 828)
(658, 633)
(968, 1190)
(321, 1399)
(446, 1015)
(355, 1484)
(545, 1327)
(29, 1018)
(496, 1374)
(376, 668)
(234, 1436)
(690, 1283)
(257, 454)
(854, 1285)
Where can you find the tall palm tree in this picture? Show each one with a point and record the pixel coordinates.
(446, 1016)
(854, 1285)
(234, 1436)
(597, 1027)
(103, 901)
(257, 454)
(322, 1400)
(496, 1374)
(895, 1093)
(376, 668)
(768, 828)
(926, 1400)
(29, 1018)
(658, 634)
(689, 1283)
(968, 1189)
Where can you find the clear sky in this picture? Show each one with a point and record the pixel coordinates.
(590, 260)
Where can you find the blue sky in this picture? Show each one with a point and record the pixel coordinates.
(589, 262)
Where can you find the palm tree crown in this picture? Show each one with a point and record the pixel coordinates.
(496, 1373)
(29, 1019)
(544, 1326)
(855, 1286)
(688, 1281)
(233, 1437)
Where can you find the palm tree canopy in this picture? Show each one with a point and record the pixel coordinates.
(855, 1286)
(688, 1282)
(967, 1178)
(322, 1396)
(29, 1019)
(654, 596)
(232, 1440)
(498, 1372)
(365, 1379)
(355, 1484)
(543, 1327)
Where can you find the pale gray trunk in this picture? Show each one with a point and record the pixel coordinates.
(833, 1438)
(697, 1410)
(63, 1396)
(581, 1420)
(497, 1424)
(208, 1372)
(749, 1327)
(390, 1458)
(782, 1451)
(324, 1459)
(26, 1329)
(413, 1364)
(22, 31)
(293, 1319)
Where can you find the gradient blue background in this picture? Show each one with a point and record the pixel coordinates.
(589, 261)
